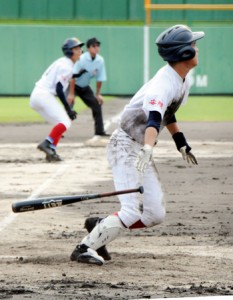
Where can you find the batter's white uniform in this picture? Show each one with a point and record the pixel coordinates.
(164, 93)
(43, 98)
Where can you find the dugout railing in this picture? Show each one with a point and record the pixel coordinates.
(148, 6)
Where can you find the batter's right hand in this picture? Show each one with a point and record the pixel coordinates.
(144, 158)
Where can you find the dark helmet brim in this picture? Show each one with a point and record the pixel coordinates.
(198, 35)
(78, 45)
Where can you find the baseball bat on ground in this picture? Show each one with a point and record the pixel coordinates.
(50, 202)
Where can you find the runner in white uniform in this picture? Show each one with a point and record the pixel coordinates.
(54, 82)
(130, 149)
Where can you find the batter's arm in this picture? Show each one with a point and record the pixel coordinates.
(173, 128)
(181, 143)
(152, 130)
(151, 135)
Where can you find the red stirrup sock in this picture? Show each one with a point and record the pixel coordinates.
(137, 225)
(57, 132)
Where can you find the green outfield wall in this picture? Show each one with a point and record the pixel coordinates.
(26, 51)
(105, 10)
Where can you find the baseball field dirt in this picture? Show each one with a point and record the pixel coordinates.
(190, 254)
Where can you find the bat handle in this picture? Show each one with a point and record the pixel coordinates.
(141, 189)
(138, 190)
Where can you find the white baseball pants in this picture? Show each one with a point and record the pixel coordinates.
(122, 152)
(47, 105)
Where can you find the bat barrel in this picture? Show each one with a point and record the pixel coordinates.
(31, 205)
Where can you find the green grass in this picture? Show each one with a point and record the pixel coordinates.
(84, 22)
(207, 108)
(211, 108)
(17, 110)
(71, 22)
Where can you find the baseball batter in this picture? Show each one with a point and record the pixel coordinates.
(54, 82)
(130, 149)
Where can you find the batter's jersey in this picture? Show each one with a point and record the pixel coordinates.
(59, 71)
(164, 93)
(88, 68)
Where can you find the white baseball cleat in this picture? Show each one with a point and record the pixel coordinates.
(86, 255)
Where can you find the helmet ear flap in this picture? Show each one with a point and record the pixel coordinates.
(69, 44)
(69, 52)
(187, 52)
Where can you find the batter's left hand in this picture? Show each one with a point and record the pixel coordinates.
(144, 158)
(188, 156)
(184, 148)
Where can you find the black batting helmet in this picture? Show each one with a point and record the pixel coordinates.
(69, 44)
(174, 44)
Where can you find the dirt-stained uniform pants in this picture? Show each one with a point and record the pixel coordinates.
(122, 152)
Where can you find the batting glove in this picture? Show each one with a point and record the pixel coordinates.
(184, 148)
(188, 156)
(144, 158)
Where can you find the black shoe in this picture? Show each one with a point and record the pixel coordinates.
(86, 255)
(53, 157)
(89, 225)
(45, 146)
(103, 134)
(51, 154)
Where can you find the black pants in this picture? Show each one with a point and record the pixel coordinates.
(88, 97)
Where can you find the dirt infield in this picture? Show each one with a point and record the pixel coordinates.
(190, 254)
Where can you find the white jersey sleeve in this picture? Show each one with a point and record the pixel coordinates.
(164, 93)
(59, 71)
(158, 96)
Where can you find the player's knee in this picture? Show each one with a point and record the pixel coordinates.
(67, 123)
(129, 216)
(153, 217)
(96, 107)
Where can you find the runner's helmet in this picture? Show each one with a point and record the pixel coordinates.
(69, 44)
(174, 44)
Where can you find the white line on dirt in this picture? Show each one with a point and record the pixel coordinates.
(164, 143)
(164, 149)
(12, 216)
(227, 297)
(113, 120)
(107, 125)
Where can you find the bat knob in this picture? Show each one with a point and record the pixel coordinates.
(141, 189)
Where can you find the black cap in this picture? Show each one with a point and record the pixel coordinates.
(93, 41)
